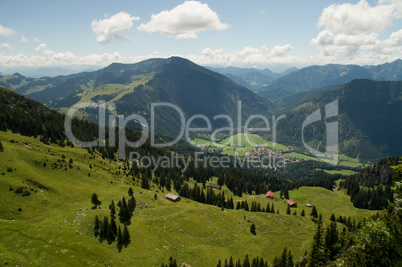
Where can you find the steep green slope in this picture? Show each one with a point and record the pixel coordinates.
(369, 120)
(54, 224)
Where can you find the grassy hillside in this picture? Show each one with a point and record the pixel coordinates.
(53, 225)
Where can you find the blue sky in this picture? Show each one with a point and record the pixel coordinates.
(216, 33)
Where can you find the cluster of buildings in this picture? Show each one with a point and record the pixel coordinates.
(260, 151)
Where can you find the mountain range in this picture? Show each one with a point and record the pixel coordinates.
(315, 77)
(369, 111)
(134, 87)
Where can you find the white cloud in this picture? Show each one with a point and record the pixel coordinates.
(397, 5)
(356, 19)
(5, 46)
(392, 45)
(184, 21)
(41, 49)
(280, 51)
(5, 31)
(352, 31)
(24, 39)
(111, 28)
(36, 39)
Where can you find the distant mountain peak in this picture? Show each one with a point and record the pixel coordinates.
(316, 77)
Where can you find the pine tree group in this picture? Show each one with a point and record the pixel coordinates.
(316, 257)
(286, 259)
(108, 230)
(126, 210)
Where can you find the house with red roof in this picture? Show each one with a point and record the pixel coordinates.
(292, 203)
(270, 195)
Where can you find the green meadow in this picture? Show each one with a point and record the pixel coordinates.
(53, 225)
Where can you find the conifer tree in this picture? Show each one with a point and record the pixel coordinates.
(110, 237)
(172, 262)
(303, 213)
(104, 229)
(286, 193)
(246, 262)
(231, 263)
(314, 213)
(332, 218)
(231, 203)
(252, 229)
(1, 147)
(268, 209)
(253, 207)
(113, 226)
(112, 208)
(95, 200)
(97, 226)
(284, 257)
(168, 183)
(119, 237)
(132, 204)
(130, 192)
(316, 257)
(126, 236)
(272, 208)
(124, 212)
(246, 208)
(144, 182)
(289, 261)
(288, 210)
(331, 239)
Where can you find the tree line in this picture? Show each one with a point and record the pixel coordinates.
(371, 188)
